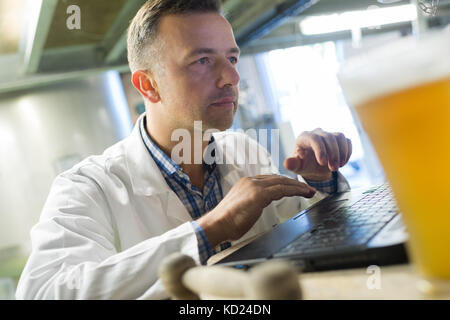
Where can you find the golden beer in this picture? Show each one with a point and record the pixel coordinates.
(403, 103)
(411, 132)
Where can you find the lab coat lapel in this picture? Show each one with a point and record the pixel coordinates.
(176, 209)
(147, 180)
(145, 176)
(230, 173)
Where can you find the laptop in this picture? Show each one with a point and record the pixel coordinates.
(352, 229)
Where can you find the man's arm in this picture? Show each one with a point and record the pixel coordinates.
(74, 255)
(316, 158)
(244, 203)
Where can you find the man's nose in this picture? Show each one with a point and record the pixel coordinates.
(228, 75)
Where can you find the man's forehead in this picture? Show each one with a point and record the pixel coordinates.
(200, 30)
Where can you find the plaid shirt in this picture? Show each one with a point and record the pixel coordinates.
(196, 202)
(330, 186)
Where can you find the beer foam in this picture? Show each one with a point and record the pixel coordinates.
(403, 64)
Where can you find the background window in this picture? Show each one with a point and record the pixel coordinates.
(306, 93)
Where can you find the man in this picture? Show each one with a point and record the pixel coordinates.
(110, 221)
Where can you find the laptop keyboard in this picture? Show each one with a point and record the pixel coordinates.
(348, 227)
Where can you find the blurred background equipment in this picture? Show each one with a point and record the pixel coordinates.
(66, 93)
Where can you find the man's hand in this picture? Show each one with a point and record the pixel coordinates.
(244, 203)
(318, 153)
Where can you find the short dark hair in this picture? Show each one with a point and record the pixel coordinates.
(143, 30)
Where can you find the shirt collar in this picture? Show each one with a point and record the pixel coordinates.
(163, 161)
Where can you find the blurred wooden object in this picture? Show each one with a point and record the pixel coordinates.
(271, 280)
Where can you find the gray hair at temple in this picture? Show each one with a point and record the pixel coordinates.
(143, 46)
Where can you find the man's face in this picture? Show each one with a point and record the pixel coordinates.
(198, 80)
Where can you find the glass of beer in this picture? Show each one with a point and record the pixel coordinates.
(401, 95)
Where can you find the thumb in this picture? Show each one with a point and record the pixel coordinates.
(294, 164)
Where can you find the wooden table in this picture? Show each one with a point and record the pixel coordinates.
(396, 282)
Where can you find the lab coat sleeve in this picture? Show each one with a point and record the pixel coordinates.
(74, 255)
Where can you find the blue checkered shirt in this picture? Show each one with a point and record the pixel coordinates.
(196, 202)
(330, 186)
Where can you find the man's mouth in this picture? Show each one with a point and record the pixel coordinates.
(226, 102)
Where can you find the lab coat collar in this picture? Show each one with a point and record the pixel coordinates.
(146, 178)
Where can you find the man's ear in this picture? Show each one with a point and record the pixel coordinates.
(146, 85)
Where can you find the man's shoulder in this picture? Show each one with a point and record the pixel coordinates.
(99, 165)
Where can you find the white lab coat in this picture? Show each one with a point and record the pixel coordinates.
(109, 222)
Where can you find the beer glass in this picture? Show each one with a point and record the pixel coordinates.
(401, 95)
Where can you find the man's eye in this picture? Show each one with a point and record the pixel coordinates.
(203, 60)
(233, 60)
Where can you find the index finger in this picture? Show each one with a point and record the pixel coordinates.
(276, 192)
(276, 179)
